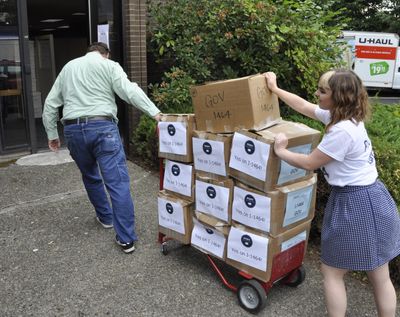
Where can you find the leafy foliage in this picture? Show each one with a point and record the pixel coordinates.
(171, 96)
(384, 132)
(220, 39)
(368, 15)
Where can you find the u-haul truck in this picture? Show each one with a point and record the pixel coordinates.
(375, 57)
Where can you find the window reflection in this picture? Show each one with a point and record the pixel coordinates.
(8, 12)
(12, 113)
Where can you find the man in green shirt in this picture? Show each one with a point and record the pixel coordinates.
(86, 89)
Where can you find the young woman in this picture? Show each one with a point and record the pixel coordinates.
(361, 226)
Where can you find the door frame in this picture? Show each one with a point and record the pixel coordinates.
(23, 40)
(26, 72)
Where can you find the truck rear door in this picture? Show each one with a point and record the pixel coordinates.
(375, 60)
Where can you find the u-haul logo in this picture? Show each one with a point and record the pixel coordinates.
(381, 48)
(376, 41)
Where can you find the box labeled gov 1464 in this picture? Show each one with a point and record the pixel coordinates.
(175, 137)
(254, 162)
(224, 106)
(254, 252)
(175, 217)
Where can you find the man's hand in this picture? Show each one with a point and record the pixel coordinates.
(157, 117)
(54, 145)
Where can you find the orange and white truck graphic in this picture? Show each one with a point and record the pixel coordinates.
(375, 57)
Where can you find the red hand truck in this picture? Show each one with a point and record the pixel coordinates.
(287, 268)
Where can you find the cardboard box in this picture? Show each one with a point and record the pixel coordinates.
(253, 252)
(277, 211)
(175, 217)
(175, 137)
(179, 179)
(254, 162)
(211, 152)
(228, 105)
(209, 235)
(214, 197)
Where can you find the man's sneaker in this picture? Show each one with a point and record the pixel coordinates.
(126, 247)
(106, 226)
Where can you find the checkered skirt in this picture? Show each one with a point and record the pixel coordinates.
(361, 228)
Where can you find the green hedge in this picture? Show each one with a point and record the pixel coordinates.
(171, 96)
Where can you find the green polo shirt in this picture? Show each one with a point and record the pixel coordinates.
(86, 87)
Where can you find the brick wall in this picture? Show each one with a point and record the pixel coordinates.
(135, 12)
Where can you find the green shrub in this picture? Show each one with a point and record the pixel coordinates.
(171, 96)
(384, 132)
(224, 39)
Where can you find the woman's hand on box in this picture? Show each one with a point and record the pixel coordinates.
(281, 142)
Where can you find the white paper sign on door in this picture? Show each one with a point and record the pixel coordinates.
(212, 199)
(248, 248)
(170, 215)
(208, 239)
(208, 156)
(249, 156)
(172, 137)
(178, 177)
(251, 209)
(298, 205)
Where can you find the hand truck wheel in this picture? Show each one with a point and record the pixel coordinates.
(164, 249)
(296, 278)
(252, 296)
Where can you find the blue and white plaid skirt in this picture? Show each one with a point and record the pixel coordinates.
(361, 228)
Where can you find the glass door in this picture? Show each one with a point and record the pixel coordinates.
(105, 20)
(13, 115)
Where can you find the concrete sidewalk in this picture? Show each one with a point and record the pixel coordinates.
(56, 260)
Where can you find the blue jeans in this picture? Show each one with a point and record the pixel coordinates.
(96, 148)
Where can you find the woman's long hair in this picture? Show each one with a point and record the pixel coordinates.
(349, 97)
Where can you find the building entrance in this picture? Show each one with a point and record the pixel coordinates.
(37, 38)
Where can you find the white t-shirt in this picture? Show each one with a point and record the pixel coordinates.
(351, 149)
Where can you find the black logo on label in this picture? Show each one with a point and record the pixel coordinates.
(169, 208)
(249, 147)
(246, 241)
(207, 148)
(175, 170)
(209, 231)
(250, 201)
(211, 192)
(171, 130)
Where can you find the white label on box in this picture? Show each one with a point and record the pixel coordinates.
(208, 156)
(293, 241)
(212, 199)
(170, 215)
(249, 156)
(248, 248)
(178, 178)
(297, 205)
(208, 239)
(289, 172)
(172, 137)
(251, 209)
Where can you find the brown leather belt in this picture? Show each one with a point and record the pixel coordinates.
(86, 119)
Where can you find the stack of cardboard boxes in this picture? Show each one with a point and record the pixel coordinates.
(225, 191)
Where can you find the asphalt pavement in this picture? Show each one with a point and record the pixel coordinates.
(56, 260)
